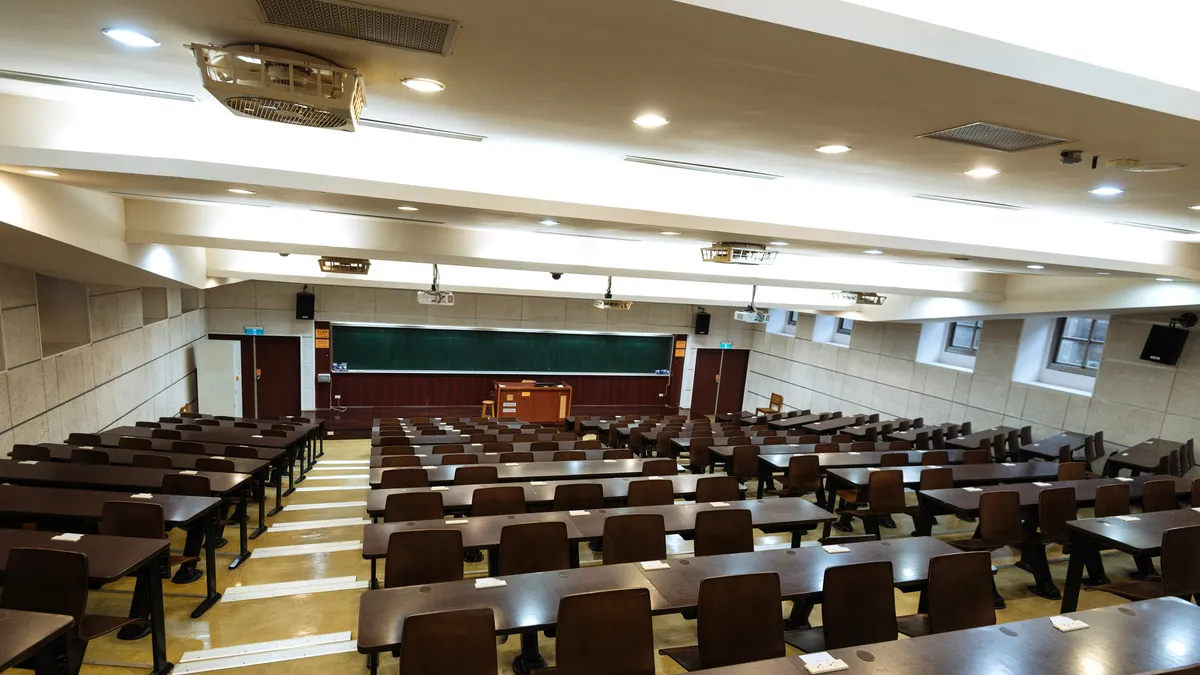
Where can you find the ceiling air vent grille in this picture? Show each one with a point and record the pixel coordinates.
(971, 202)
(995, 137)
(363, 22)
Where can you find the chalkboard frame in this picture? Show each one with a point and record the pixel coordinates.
(480, 329)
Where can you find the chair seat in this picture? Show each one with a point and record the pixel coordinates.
(175, 560)
(1133, 590)
(865, 513)
(809, 640)
(979, 544)
(93, 626)
(687, 657)
(914, 625)
(850, 496)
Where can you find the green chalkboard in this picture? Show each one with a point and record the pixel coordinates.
(393, 348)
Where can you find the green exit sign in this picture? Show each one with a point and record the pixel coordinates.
(726, 345)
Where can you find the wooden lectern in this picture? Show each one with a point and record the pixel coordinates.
(529, 402)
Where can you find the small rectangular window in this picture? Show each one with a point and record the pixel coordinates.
(792, 318)
(963, 337)
(845, 326)
(1078, 345)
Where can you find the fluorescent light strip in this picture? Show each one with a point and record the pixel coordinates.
(424, 131)
(971, 202)
(1148, 226)
(317, 524)
(705, 168)
(306, 549)
(284, 589)
(332, 487)
(261, 647)
(96, 86)
(372, 215)
(261, 658)
(325, 505)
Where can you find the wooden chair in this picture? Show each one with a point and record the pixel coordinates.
(900, 445)
(397, 450)
(85, 439)
(1072, 470)
(578, 496)
(460, 458)
(737, 621)
(215, 465)
(498, 501)
(718, 489)
(488, 410)
(497, 447)
(565, 436)
(188, 427)
(827, 447)
(189, 448)
(544, 446)
(959, 596)
(1112, 500)
(587, 445)
(858, 607)
(176, 420)
(483, 474)
(935, 458)
(975, 457)
(590, 624)
(699, 455)
(1180, 564)
(392, 441)
(803, 477)
(922, 441)
(650, 493)
(885, 498)
(399, 461)
(841, 438)
(720, 531)
(410, 506)
(634, 537)
(1056, 506)
(448, 449)
(208, 422)
(457, 642)
(86, 456)
(135, 443)
(931, 479)
(660, 467)
(153, 461)
(569, 455)
(775, 405)
(404, 478)
(1159, 495)
(617, 454)
(417, 557)
(526, 548)
(29, 453)
(519, 457)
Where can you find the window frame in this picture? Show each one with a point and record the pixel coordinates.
(1055, 346)
(976, 328)
(793, 318)
(842, 328)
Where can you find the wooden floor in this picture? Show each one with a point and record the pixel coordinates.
(230, 624)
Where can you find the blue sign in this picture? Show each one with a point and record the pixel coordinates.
(726, 345)
(255, 330)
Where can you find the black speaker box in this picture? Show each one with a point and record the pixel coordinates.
(1164, 345)
(305, 304)
(702, 319)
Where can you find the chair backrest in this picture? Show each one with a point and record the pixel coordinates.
(1000, 447)
(1000, 516)
(1112, 500)
(885, 491)
(965, 429)
(29, 453)
(617, 454)
(935, 458)
(1181, 560)
(745, 461)
(828, 447)
(975, 457)
(720, 531)
(404, 478)
(894, 459)
(1056, 506)
(718, 489)
(524, 438)
(1072, 471)
(922, 440)
(520, 457)
(591, 624)
(841, 438)
(84, 439)
(803, 474)
(568, 455)
(393, 441)
(634, 537)
(858, 605)
(862, 446)
(460, 458)
(526, 548)
(153, 461)
(188, 447)
(587, 445)
(807, 439)
(937, 479)
(1196, 493)
(215, 465)
(1064, 454)
(171, 420)
(187, 485)
(1175, 467)
(660, 467)
(448, 449)
(737, 619)
(650, 493)
(398, 461)
(408, 506)
(1159, 495)
(134, 443)
(46, 580)
(209, 423)
(1026, 435)
(546, 446)
(960, 591)
(497, 447)
(245, 425)
(423, 557)
(395, 450)
(133, 519)
(900, 445)
(575, 496)
(188, 427)
(498, 501)
(481, 474)
(273, 433)
(147, 425)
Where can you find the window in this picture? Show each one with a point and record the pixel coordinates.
(792, 318)
(844, 326)
(1079, 345)
(962, 337)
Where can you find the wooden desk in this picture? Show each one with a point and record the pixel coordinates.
(832, 425)
(769, 465)
(793, 422)
(530, 471)
(1047, 448)
(863, 430)
(911, 434)
(483, 533)
(1144, 456)
(490, 457)
(109, 559)
(964, 502)
(971, 441)
(24, 635)
(538, 494)
(531, 403)
(1139, 537)
(1169, 626)
(438, 439)
(478, 448)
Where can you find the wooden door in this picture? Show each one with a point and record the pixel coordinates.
(734, 363)
(247, 370)
(704, 381)
(277, 384)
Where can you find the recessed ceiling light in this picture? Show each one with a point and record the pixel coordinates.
(983, 172)
(1104, 274)
(650, 120)
(669, 234)
(873, 251)
(1195, 208)
(548, 221)
(41, 172)
(240, 191)
(423, 84)
(779, 243)
(130, 38)
(1106, 191)
(833, 149)
(1163, 279)
(408, 208)
(1036, 267)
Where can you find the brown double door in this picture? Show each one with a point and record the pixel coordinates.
(719, 383)
(270, 374)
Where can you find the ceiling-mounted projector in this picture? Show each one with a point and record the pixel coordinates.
(751, 315)
(435, 298)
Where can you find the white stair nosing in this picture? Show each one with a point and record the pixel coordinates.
(306, 549)
(317, 524)
(348, 476)
(266, 657)
(327, 488)
(324, 505)
(261, 647)
(263, 591)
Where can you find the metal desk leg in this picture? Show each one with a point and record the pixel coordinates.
(260, 489)
(321, 439)
(297, 454)
(47, 661)
(373, 663)
(374, 582)
(152, 578)
(530, 659)
(291, 472)
(1070, 594)
(240, 514)
(210, 565)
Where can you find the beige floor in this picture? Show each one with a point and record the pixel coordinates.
(251, 621)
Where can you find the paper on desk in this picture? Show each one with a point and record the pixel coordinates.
(650, 565)
(67, 536)
(855, 453)
(1128, 519)
(1007, 464)
(973, 489)
(489, 582)
(537, 482)
(933, 466)
(218, 457)
(579, 513)
(1124, 479)
(610, 461)
(256, 436)
(28, 461)
(450, 520)
(86, 447)
(832, 666)
(874, 468)
(656, 477)
(418, 455)
(1041, 484)
(440, 488)
(819, 657)
(429, 467)
(479, 445)
(512, 464)
(188, 472)
(142, 495)
(836, 548)
(717, 505)
(1067, 624)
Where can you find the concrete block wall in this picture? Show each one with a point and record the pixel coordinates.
(126, 372)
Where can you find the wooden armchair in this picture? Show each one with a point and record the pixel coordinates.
(776, 405)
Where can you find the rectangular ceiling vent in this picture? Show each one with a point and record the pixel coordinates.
(670, 163)
(971, 202)
(995, 137)
(1148, 226)
(363, 22)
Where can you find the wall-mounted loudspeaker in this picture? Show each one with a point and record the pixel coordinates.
(702, 319)
(305, 305)
(1164, 345)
